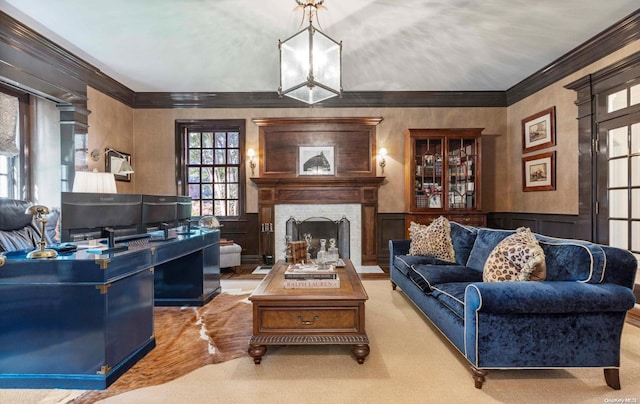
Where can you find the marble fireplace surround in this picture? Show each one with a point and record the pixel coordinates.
(356, 197)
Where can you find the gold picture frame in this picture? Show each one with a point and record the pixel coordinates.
(539, 172)
(539, 130)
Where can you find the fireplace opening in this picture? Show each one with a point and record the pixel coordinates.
(321, 228)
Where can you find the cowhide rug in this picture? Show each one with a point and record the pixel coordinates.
(187, 338)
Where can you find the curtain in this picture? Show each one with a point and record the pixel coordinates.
(8, 125)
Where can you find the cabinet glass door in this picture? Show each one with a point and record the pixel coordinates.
(429, 174)
(461, 170)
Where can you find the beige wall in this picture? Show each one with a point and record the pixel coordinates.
(111, 125)
(149, 135)
(154, 133)
(565, 198)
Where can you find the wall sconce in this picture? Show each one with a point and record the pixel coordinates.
(123, 167)
(382, 154)
(252, 153)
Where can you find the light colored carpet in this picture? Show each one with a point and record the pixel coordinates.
(410, 362)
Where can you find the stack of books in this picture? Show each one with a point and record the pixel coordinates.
(309, 276)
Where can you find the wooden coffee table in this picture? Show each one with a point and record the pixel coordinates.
(309, 316)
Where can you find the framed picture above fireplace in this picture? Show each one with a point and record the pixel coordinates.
(316, 160)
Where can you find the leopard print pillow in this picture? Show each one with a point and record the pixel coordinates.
(518, 257)
(433, 240)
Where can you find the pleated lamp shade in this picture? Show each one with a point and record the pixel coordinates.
(94, 182)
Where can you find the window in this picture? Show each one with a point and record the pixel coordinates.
(13, 110)
(212, 169)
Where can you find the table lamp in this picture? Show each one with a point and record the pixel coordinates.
(38, 211)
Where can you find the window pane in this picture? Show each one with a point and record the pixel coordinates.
(635, 94)
(207, 192)
(635, 138)
(635, 236)
(234, 156)
(619, 203)
(220, 191)
(233, 174)
(206, 175)
(4, 165)
(207, 156)
(220, 156)
(234, 139)
(618, 173)
(635, 203)
(635, 171)
(194, 191)
(233, 191)
(4, 187)
(618, 142)
(207, 208)
(618, 236)
(194, 156)
(617, 100)
(221, 139)
(207, 140)
(194, 139)
(194, 174)
(219, 174)
(232, 208)
(195, 208)
(220, 208)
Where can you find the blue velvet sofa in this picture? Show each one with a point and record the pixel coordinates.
(574, 318)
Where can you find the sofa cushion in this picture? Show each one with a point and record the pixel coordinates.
(403, 263)
(427, 277)
(573, 260)
(516, 258)
(432, 240)
(485, 242)
(462, 238)
(451, 295)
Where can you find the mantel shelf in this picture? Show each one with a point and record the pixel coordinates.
(311, 181)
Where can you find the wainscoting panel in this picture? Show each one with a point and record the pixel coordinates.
(564, 226)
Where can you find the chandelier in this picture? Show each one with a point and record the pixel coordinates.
(310, 61)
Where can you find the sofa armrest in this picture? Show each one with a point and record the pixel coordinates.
(398, 247)
(546, 297)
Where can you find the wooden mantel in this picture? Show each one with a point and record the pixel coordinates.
(324, 190)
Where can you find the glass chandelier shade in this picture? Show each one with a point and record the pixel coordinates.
(310, 66)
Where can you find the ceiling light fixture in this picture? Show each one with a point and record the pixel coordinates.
(310, 61)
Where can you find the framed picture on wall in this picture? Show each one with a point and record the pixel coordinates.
(119, 164)
(539, 172)
(539, 130)
(316, 160)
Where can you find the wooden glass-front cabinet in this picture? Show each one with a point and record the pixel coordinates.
(443, 175)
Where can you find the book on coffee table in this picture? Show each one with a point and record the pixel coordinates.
(310, 271)
(312, 283)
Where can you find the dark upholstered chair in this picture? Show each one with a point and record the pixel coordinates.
(18, 231)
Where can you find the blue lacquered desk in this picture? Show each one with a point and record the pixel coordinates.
(81, 320)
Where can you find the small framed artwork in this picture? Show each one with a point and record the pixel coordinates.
(113, 164)
(435, 201)
(539, 172)
(539, 130)
(316, 160)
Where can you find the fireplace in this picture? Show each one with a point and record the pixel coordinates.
(335, 213)
(354, 198)
(318, 228)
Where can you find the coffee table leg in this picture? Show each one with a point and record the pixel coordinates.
(257, 352)
(360, 351)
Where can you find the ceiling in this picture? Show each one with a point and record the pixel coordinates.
(388, 45)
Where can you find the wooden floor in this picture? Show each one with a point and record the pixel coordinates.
(244, 271)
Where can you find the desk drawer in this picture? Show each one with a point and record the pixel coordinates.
(318, 319)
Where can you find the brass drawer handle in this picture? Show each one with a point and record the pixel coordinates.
(308, 322)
